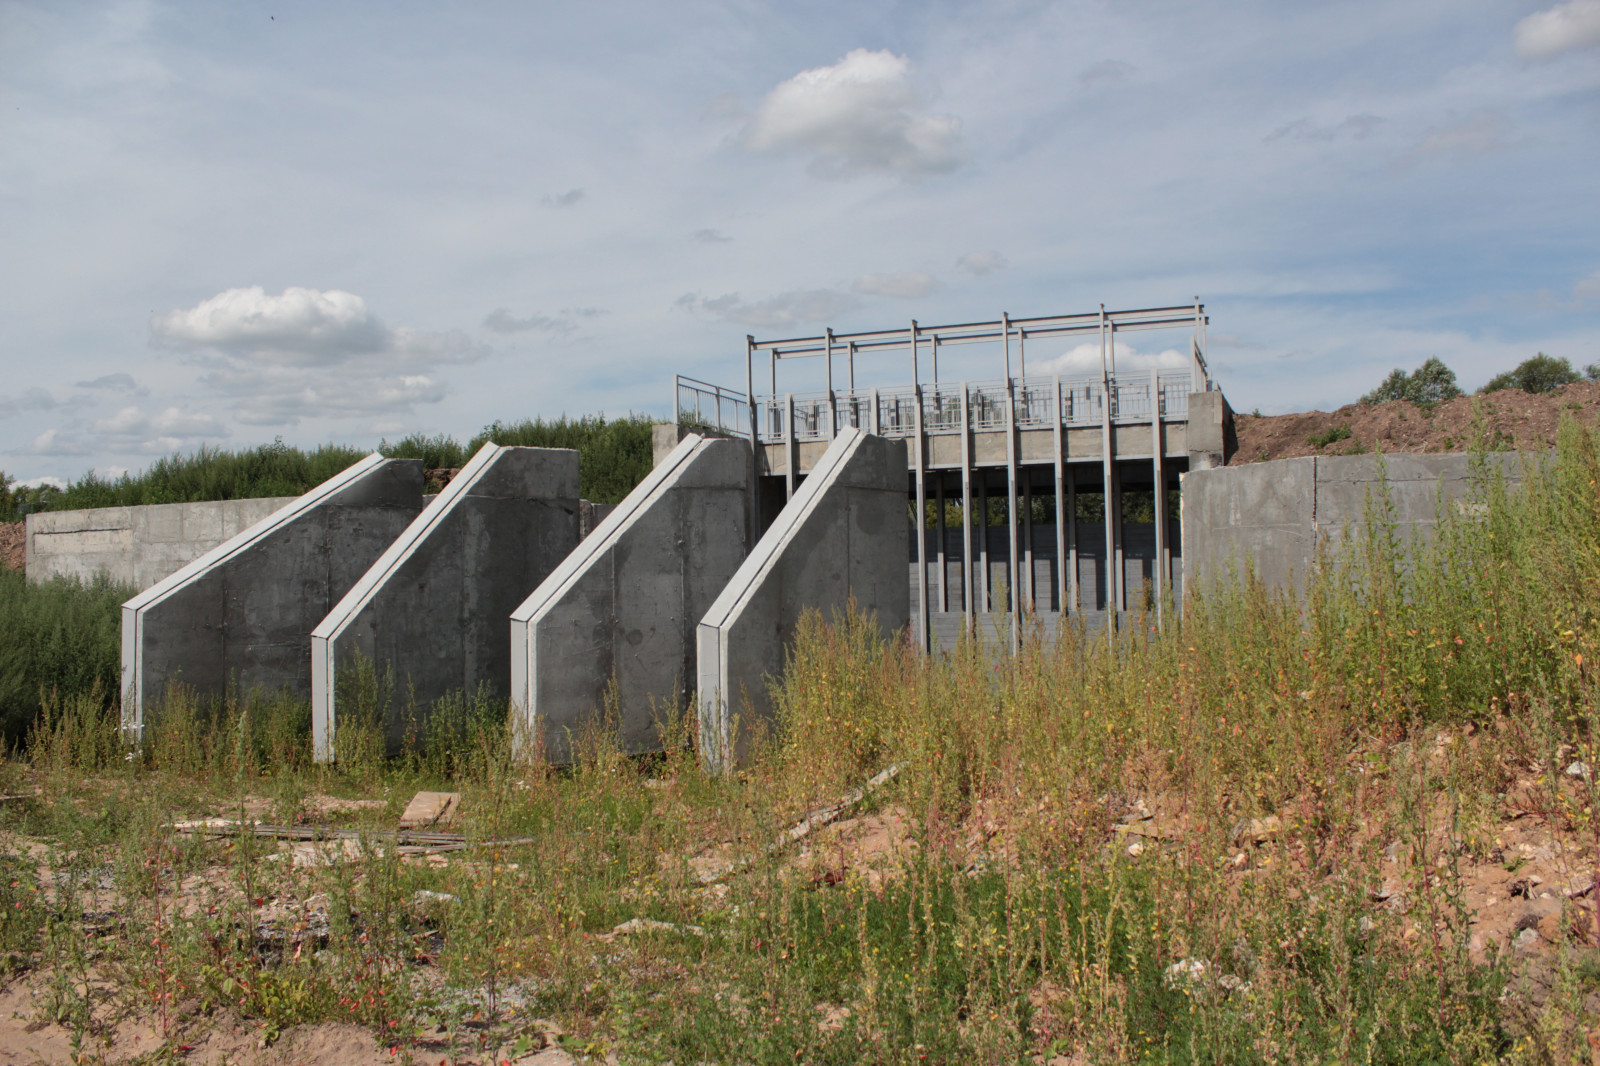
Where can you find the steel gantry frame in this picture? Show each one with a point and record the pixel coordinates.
(1014, 402)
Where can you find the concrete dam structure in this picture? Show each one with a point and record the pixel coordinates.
(1042, 495)
(938, 506)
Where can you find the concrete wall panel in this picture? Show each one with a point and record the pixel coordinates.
(843, 534)
(434, 606)
(242, 613)
(623, 607)
(136, 546)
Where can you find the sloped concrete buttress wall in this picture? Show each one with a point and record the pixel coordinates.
(433, 608)
(242, 613)
(623, 607)
(843, 534)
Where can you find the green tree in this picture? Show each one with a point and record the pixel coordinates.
(1431, 383)
(1542, 373)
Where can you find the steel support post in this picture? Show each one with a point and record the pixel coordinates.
(791, 448)
(1158, 492)
(939, 554)
(966, 511)
(1060, 449)
(920, 454)
(753, 527)
(1015, 591)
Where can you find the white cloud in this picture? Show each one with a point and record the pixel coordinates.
(980, 263)
(1587, 288)
(56, 442)
(305, 354)
(1084, 360)
(570, 198)
(57, 483)
(906, 286)
(1565, 27)
(862, 115)
(784, 309)
(132, 429)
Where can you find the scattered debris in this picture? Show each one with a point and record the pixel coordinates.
(1578, 768)
(428, 895)
(648, 925)
(713, 871)
(428, 809)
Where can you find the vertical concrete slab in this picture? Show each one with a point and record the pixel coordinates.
(242, 613)
(434, 606)
(843, 534)
(1263, 514)
(622, 608)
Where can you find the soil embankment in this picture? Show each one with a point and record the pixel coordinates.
(13, 542)
(1509, 419)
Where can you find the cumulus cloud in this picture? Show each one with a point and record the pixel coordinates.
(906, 286)
(114, 383)
(307, 353)
(860, 116)
(131, 423)
(56, 483)
(1356, 127)
(980, 263)
(1084, 360)
(564, 199)
(784, 309)
(1564, 28)
(59, 442)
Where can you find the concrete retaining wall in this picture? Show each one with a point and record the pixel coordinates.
(242, 613)
(621, 610)
(1273, 515)
(136, 546)
(843, 534)
(435, 605)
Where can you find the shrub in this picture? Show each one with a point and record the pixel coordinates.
(60, 635)
(1431, 383)
(1327, 437)
(1542, 373)
(614, 456)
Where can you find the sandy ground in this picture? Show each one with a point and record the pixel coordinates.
(1510, 419)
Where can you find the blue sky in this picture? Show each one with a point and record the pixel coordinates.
(228, 222)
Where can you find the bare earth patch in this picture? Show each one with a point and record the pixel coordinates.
(1510, 419)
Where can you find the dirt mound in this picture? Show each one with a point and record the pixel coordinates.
(13, 539)
(1507, 419)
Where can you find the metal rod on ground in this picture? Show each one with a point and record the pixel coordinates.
(1158, 489)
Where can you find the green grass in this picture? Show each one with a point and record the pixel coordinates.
(59, 636)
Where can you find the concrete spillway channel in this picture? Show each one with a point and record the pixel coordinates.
(241, 615)
(612, 629)
(842, 535)
(434, 605)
